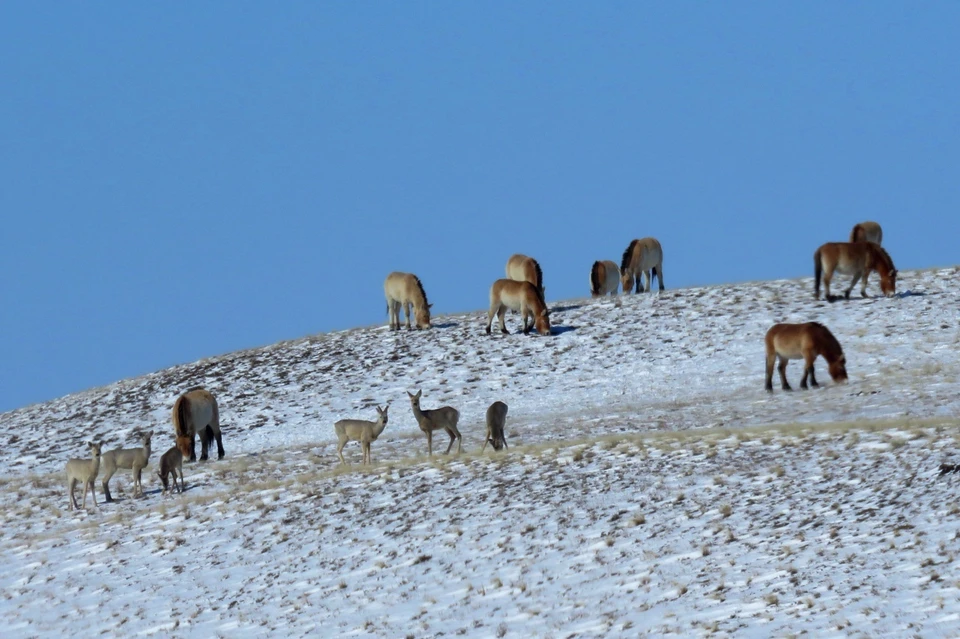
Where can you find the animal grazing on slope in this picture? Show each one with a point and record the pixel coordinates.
(803, 341)
(83, 470)
(518, 296)
(853, 258)
(642, 257)
(359, 430)
(196, 413)
(523, 268)
(496, 420)
(171, 462)
(134, 459)
(604, 278)
(866, 232)
(445, 417)
(406, 290)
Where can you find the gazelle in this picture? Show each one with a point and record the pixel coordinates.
(359, 430)
(170, 462)
(445, 417)
(84, 470)
(128, 458)
(496, 419)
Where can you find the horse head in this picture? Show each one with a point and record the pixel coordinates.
(838, 369)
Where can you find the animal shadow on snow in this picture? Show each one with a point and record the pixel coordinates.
(560, 330)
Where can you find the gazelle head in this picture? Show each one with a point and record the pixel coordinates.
(415, 399)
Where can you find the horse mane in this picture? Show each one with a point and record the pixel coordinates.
(536, 266)
(830, 342)
(422, 292)
(886, 256)
(595, 278)
(625, 262)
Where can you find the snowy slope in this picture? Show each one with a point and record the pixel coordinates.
(651, 486)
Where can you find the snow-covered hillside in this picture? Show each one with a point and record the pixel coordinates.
(651, 485)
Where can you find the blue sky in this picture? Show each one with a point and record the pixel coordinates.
(182, 180)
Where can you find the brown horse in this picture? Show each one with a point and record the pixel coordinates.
(806, 341)
(405, 289)
(526, 269)
(642, 257)
(866, 232)
(604, 278)
(518, 296)
(194, 412)
(853, 258)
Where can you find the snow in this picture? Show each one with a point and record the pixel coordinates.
(651, 485)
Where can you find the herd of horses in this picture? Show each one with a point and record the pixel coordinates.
(195, 412)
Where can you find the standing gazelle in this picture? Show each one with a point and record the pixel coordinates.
(359, 430)
(445, 417)
(128, 458)
(84, 470)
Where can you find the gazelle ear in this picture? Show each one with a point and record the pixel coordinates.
(419, 393)
(410, 394)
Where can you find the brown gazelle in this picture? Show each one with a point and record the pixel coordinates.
(134, 459)
(359, 430)
(518, 296)
(496, 420)
(171, 462)
(642, 257)
(803, 341)
(196, 413)
(524, 268)
(867, 232)
(604, 278)
(445, 417)
(406, 290)
(858, 259)
(83, 470)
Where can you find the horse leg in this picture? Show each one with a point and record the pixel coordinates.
(808, 359)
(827, 277)
(193, 448)
(863, 284)
(204, 442)
(502, 316)
(856, 277)
(783, 373)
(659, 271)
(105, 484)
(220, 451)
(771, 358)
(408, 310)
(525, 317)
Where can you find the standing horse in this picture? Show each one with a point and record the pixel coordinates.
(803, 341)
(642, 257)
(518, 296)
(604, 278)
(525, 269)
(866, 232)
(196, 412)
(853, 258)
(406, 290)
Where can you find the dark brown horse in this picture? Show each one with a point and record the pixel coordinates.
(853, 258)
(803, 341)
(866, 232)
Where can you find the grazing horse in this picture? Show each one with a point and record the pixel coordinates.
(853, 258)
(518, 296)
(196, 412)
(604, 278)
(866, 232)
(526, 269)
(642, 257)
(806, 341)
(406, 290)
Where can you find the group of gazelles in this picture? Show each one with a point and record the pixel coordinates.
(196, 412)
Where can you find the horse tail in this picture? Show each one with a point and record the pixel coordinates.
(857, 233)
(817, 272)
(653, 270)
(180, 416)
(536, 266)
(625, 261)
(595, 278)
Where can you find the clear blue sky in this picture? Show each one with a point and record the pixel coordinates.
(181, 180)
